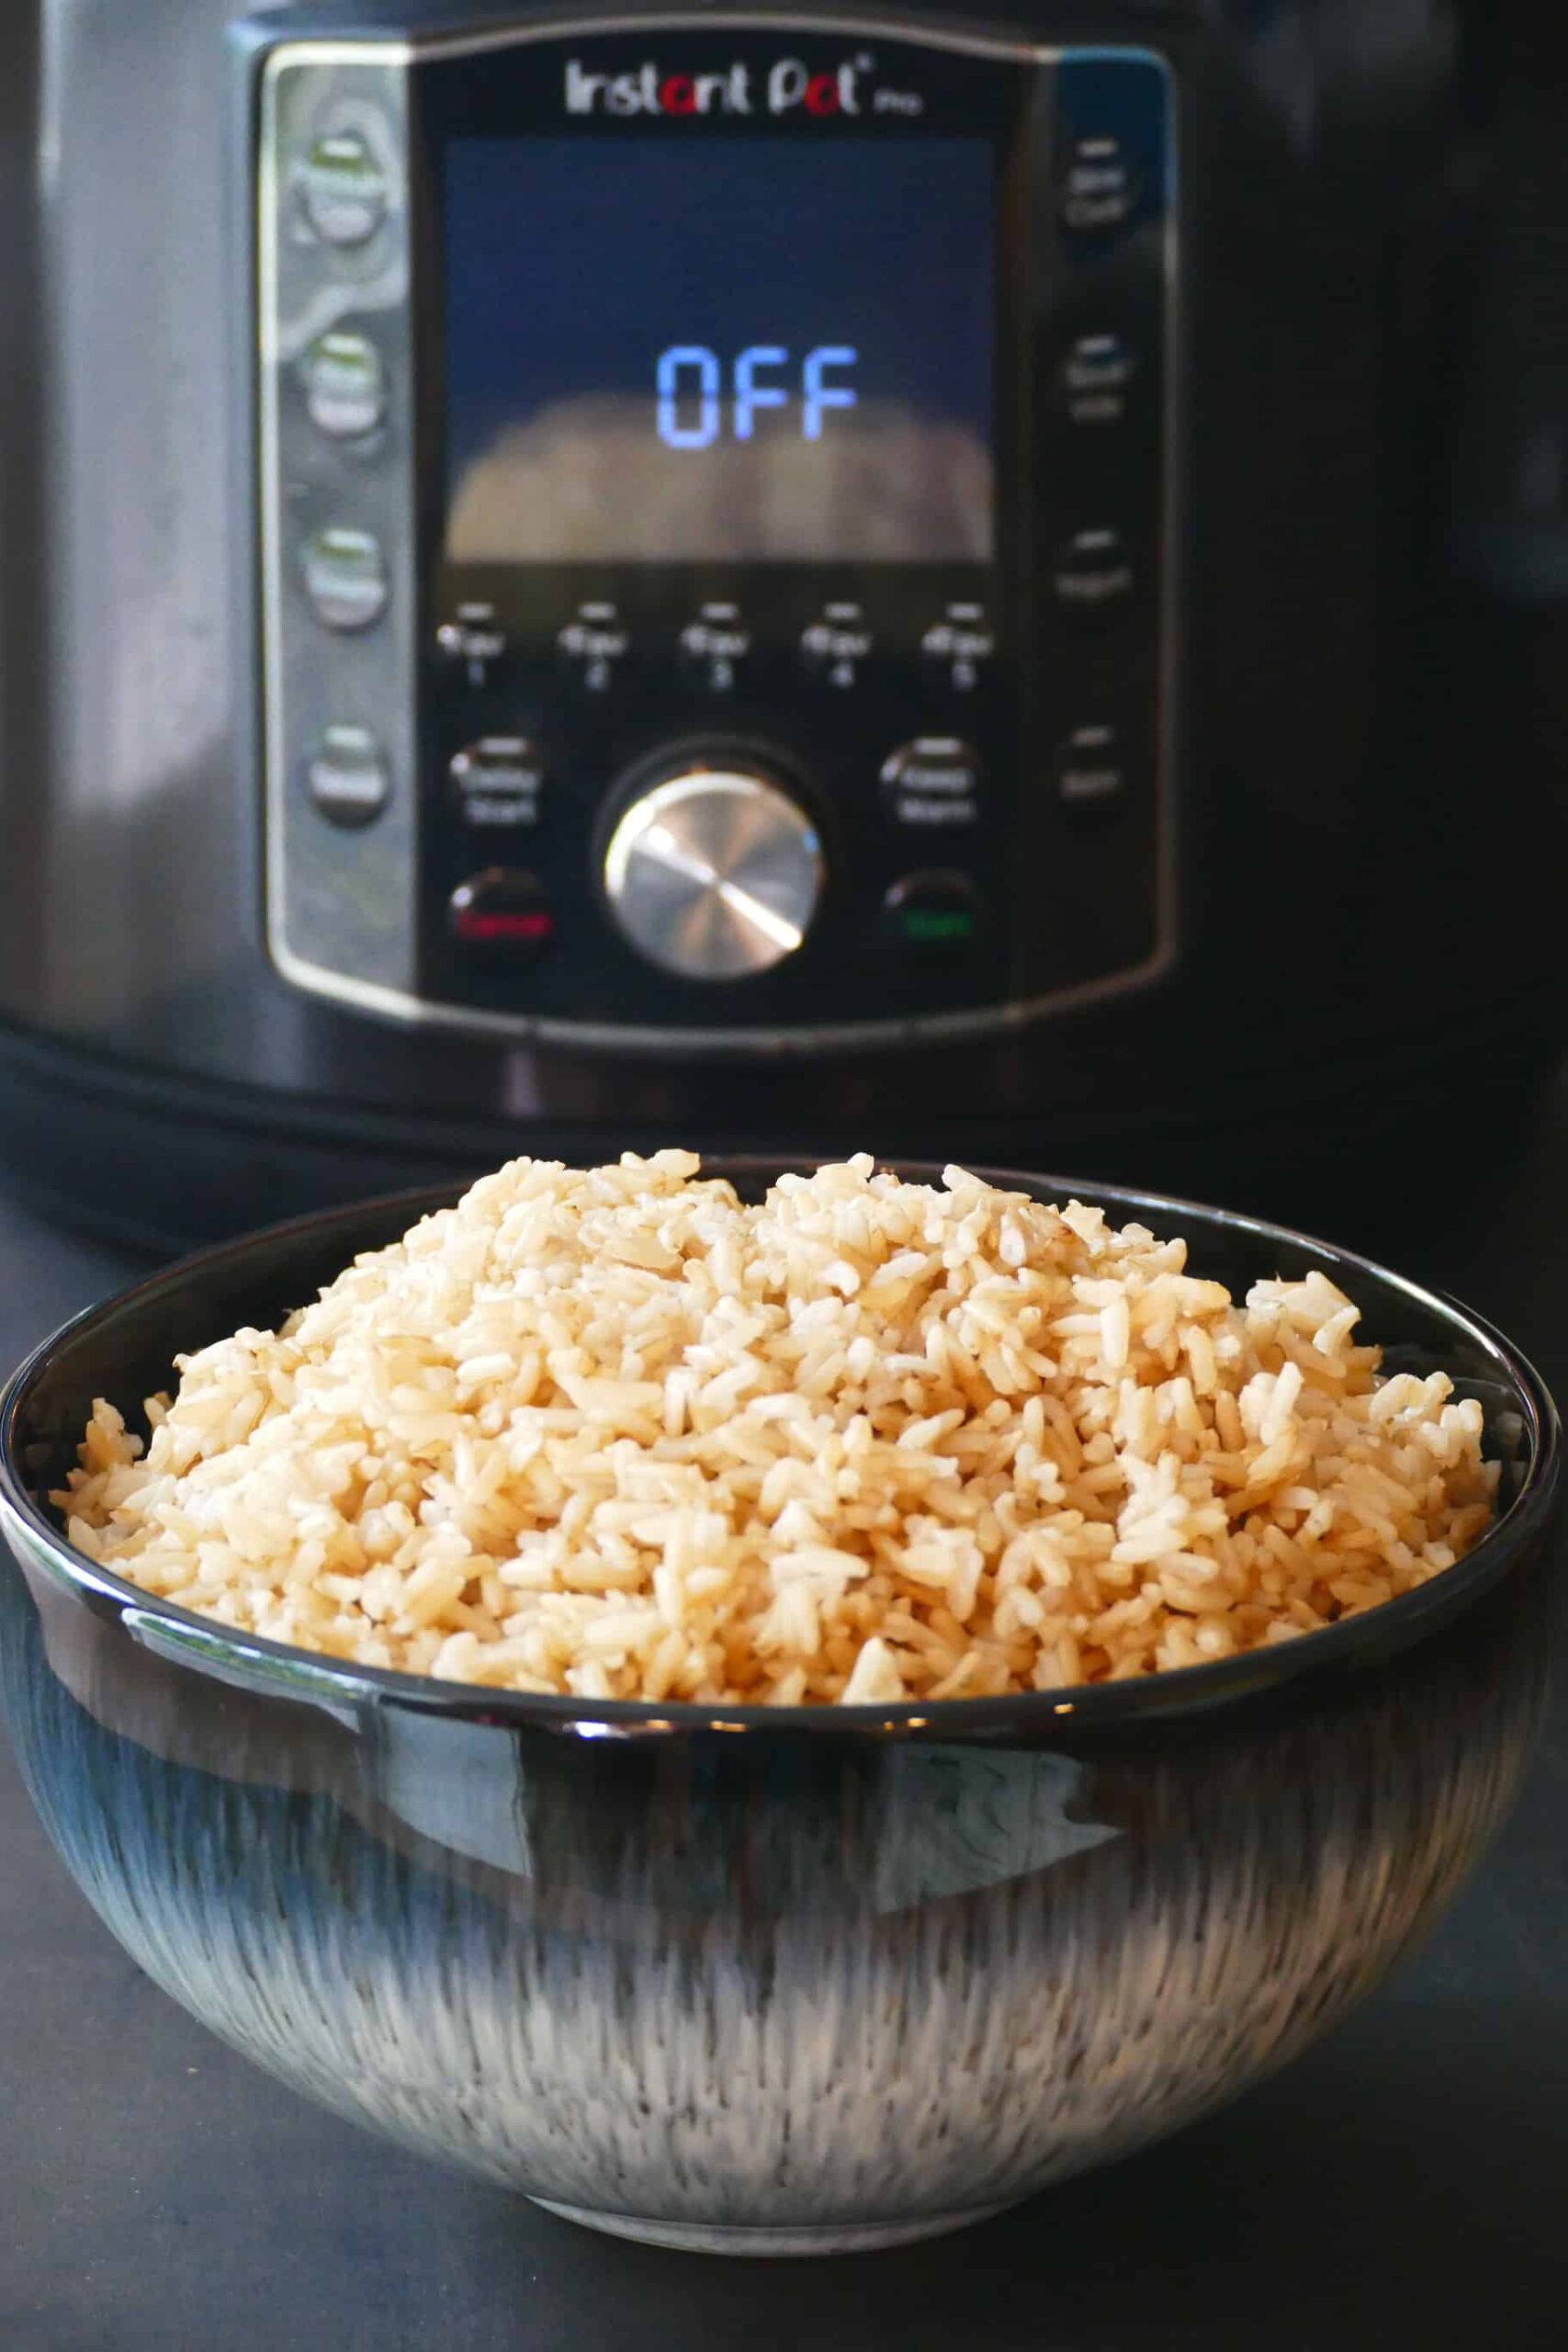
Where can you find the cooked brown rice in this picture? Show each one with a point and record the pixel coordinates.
(612, 1433)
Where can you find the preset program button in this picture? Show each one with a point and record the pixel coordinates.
(1093, 573)
(345, 188)
(1100, 186)
(345, 578)
(1095, 373)
(1091, 774)
(346, 385)
(347, 778)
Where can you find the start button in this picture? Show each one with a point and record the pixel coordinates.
(934, 917)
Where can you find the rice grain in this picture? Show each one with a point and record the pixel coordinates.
(612, 1433)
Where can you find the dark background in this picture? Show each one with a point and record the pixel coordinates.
(1403, 2185)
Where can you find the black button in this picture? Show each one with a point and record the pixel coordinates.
(958, 647)
(933, 781)
(497, 781)
(1091, 776)
(934, 917)
(713, 647)
(347, 778)
(1100, 186)
(592, 645)
(474, 640)
(834, 646)
(1094, 377)
(1092, 573)
(501, 917)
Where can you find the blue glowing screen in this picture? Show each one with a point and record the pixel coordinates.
(758, 349)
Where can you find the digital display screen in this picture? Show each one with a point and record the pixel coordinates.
(752, 350)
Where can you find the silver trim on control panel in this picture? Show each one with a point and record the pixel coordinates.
(400, 1003)
(336, 896)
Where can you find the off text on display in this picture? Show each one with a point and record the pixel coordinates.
(695, 389)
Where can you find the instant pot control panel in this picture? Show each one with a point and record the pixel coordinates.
(713, 527)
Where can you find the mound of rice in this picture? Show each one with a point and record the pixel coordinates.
(612, 1432)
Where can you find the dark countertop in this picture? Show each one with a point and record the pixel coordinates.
(1405, 2184)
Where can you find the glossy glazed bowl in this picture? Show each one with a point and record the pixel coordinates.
(765, 1980)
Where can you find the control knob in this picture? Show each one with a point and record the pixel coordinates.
(715, 873)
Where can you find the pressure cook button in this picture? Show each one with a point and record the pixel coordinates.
(501, 917)
(345, 578)
(592, 645)
(347, 777)
(958, 647)
(1092, 573)
(1091, 776)
(833, 647)
(346, 385)
(714, 647)
(1100, 186)
(1094, 378)
(497, 782)
(934, 781)
(346, 189)
(933, 918)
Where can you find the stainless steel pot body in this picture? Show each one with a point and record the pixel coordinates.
(1364, 878)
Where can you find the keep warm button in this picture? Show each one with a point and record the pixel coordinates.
(932, 782)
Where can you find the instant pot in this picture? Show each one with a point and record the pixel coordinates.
(982, 584)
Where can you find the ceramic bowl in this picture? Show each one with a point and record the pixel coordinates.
(765, 1980)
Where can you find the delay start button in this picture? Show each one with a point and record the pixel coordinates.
(934, 917)
(501, 917)
(497, 782)
(933, 781)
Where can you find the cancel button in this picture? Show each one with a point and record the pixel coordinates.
(932, 783)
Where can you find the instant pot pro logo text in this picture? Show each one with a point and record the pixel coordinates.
(788, 86)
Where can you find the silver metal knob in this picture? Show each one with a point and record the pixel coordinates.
(714, 873)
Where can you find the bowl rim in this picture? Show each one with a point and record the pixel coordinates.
(255, 1661)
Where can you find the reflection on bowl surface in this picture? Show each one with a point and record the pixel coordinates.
(785, 1981)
